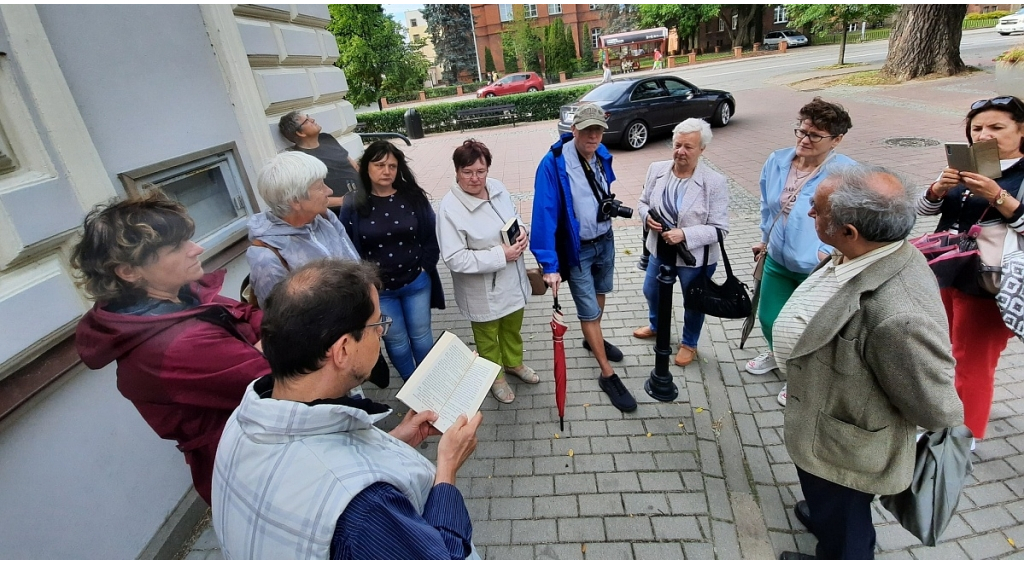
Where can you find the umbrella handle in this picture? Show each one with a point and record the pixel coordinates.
(557, 307)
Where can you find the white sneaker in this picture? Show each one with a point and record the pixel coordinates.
(762, 363)
(782, 395)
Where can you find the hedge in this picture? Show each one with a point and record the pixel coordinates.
(988, 16)
(403, 97)
(440, 91)
(440, 117)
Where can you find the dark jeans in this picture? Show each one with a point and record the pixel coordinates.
(841, 517)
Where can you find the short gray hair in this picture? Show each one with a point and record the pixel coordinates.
(694, 125)
(287, 178)
(879, 216)
(289, 125)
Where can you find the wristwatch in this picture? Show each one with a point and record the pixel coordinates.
(1003, 195)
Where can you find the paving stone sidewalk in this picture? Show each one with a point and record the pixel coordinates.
(706, 476)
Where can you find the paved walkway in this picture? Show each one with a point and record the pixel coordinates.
(706, 476)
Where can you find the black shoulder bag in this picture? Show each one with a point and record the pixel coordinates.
(728, 300)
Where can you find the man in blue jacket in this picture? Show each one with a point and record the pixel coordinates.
(571, 235)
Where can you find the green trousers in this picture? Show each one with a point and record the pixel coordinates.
(777, 284)
(500, 341)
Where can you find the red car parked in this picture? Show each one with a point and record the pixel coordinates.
(512, 84)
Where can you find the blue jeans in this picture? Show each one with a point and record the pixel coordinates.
(693, 321)
(410, 335)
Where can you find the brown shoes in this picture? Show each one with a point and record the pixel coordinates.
(645, 332)
(685, 355)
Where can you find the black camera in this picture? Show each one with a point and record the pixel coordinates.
(610, 207)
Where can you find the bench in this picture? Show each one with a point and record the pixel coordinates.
(504, 111)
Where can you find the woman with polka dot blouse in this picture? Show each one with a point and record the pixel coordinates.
(391, 223)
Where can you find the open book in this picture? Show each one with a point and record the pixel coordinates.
(510, 232)
(452, 380)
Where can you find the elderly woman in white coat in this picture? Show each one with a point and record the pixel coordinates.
(489, 276)
(693, 202)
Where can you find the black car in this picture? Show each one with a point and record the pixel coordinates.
(639, 108)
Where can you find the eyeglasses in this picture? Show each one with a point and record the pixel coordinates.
(814, 137)
(473, 173)
(384, 324)
(305, 121)
(1000, 101)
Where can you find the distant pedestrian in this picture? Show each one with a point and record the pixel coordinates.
(657, 59)
(607, 74)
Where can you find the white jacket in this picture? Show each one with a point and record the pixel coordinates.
(469, 233)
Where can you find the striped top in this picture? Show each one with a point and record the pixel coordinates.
(1009, 182)
(814, 293)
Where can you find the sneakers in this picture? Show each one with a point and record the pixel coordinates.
(685, 355)
(782, 395)
(617, 392)
(611, 352)
(644, 332)
(762, 363)
(641, 265)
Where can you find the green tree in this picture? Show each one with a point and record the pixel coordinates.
(508, 52)
(375, 57)
(824, 18)
(620, 17)
(528, 45)
(559, 49)
(586, 50)
(451, 30)
(489, 61)
(925, 39)
(685, 18)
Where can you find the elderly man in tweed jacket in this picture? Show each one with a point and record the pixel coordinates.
(865, 347)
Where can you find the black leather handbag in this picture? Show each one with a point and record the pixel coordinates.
(729, 300)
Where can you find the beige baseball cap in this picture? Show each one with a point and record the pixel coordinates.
(587, 115)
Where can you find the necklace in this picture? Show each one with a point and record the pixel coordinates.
(801, 176)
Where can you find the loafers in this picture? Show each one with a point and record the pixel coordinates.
(610, 351)
(645, 332)
(685, 355)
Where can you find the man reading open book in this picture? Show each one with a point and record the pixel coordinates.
(302, 472)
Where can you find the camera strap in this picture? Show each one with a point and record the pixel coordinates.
(595, 186)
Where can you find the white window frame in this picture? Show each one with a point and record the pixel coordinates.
(780, 14)
(721, 24)
(595, 37)
(224, 157)
(529, 11)
(735, 21)
(595, 7)
(505, 13)
(554, 9)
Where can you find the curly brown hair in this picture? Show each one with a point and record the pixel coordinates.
(827, 116)
(469, 153)
(129, 232)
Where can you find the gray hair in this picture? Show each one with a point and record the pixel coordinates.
(694, 125)
(880, 216)
(289, 125)
(286, 178)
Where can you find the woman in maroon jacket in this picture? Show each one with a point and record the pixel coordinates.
(184, 354)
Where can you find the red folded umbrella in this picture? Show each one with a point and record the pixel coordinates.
(558, 329)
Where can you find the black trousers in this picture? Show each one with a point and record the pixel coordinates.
(841, 517)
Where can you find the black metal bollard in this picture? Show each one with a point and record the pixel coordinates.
(660, 386)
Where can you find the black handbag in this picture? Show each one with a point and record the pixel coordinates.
(729, 300)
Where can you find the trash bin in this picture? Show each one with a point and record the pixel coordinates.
(413, 124)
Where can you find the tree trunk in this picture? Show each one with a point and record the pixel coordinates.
(925, 39)
(842, 45)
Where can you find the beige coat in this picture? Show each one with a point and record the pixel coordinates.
(705, 207)
(872, 364)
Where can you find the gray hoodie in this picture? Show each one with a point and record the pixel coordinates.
(322, 238)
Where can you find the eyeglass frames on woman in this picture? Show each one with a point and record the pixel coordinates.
(384, 324)
(473, 173)
(1000, 101)
(814, 137)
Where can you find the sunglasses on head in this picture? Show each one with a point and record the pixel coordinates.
(1000, 101)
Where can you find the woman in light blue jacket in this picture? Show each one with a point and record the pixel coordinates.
(788, 181)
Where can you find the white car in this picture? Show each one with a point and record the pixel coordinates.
(1013, 23)
(792, 38)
